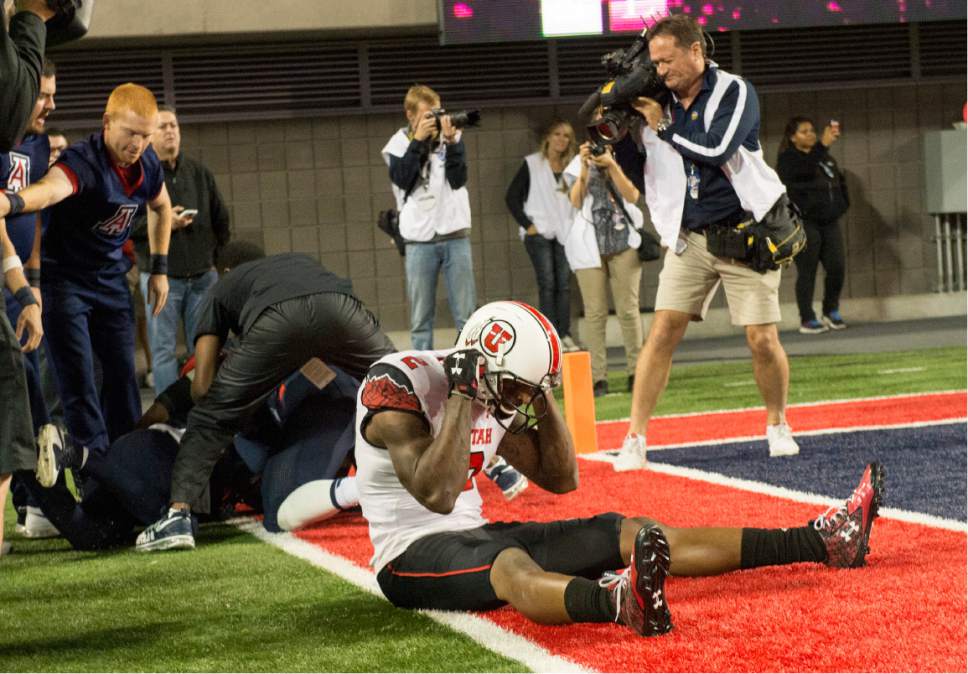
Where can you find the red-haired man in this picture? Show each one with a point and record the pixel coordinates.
(94, 191)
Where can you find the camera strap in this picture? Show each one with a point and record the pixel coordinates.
(620, 202)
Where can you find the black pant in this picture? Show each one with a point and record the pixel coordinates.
(332, 326)
(825, 245)
(18, 450)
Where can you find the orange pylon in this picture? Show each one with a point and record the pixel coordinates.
(580, 401)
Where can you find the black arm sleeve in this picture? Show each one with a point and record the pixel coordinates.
(218, 211)
(405, 170)
(517, 194)
(21, 61)
(177, 400)
(455, 165)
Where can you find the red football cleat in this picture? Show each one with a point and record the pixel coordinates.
(639, 591)
(846, 530)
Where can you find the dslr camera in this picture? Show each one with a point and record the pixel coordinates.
(632, 74)
(459, 120)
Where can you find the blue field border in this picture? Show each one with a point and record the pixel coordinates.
(927, 466)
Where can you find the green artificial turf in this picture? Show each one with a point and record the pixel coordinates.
(233, 604)
(710, 386)
(236, 604)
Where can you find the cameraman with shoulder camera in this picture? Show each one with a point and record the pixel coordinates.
(428, 169)
(21, 62)
(704, 177)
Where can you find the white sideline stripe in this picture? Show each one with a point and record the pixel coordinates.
(901, 370)
(478, 629)
(760, 408)
(802, 496)
(605, 454)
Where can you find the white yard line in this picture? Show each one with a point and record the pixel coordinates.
(478, 629)
(901, 370)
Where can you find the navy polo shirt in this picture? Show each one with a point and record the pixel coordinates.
(21, 167)
(735, 122)
(87, 229)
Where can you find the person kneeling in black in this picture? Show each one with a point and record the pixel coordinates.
(285, 309)
(816, 185)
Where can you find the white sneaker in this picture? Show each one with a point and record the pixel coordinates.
(781, 441)
(632, 454)
(569, 345)
(38, 526)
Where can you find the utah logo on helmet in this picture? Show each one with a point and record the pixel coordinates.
(517, 341)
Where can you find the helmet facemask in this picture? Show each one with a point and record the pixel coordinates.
(517, 404)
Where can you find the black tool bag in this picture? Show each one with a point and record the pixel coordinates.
(388, 222)
(765, 245)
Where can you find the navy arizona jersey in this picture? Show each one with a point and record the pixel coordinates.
(22, 166)
(88, 228)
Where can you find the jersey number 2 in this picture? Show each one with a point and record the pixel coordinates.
(475, 467)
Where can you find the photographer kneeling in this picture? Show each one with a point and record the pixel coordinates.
(704, 177)
(428, 169)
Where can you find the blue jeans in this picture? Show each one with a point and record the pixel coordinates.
(554, 280)
(184, 296)
(424, 262)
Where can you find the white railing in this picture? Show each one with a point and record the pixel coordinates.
(950, 239)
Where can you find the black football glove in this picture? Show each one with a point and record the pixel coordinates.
(464, 370)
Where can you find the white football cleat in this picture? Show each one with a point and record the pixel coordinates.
(632, 454)
(37, 525)
(780, 439)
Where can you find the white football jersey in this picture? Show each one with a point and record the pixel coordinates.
(413, 382)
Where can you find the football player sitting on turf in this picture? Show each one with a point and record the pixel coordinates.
(428, 421)
(287, 467)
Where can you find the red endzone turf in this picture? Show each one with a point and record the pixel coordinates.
(905, 611)
(752, 423)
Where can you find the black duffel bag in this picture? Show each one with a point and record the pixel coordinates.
(388, 222)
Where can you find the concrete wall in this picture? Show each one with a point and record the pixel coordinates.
(317, 185)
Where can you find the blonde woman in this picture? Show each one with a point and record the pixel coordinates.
(538, 199)
(602, 249)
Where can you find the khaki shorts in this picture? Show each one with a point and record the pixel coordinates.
(688, 283)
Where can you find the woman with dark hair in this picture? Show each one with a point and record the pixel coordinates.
(817, 186)
(538, 199)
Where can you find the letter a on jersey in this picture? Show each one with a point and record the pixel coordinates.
(19, 176)
(118, 223)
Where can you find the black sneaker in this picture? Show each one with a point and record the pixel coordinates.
(174, 531)
(834, 320)
(846, 530)
(600, 389)
(55, 452)
(639, 591)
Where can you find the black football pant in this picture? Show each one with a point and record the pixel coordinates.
(334, 327)
(825, 245)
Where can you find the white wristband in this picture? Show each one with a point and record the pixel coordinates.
(12, 262)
